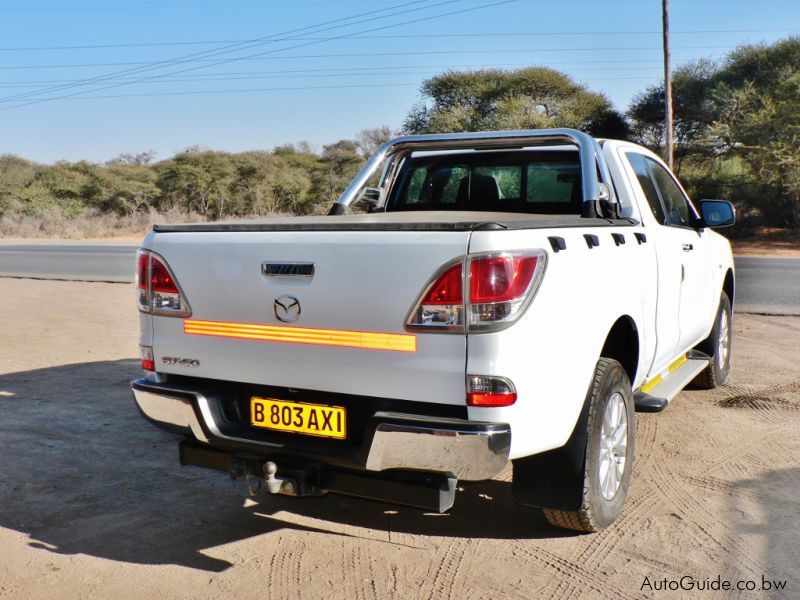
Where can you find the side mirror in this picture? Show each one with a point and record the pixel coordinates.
(717, 213)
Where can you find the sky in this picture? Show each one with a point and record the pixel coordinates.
(93, 79)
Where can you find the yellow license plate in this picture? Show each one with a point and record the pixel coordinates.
(297, 417)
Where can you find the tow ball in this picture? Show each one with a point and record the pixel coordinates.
(271, 481)
(276, 484)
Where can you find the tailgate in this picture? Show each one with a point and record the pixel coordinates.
(364, 283)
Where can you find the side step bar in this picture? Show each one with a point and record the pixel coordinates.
(655, 395)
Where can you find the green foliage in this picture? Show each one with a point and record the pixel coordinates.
(737, 129)
(15, 174)
(214, 185)
(691, 106)
(529, 98)
(200, 179)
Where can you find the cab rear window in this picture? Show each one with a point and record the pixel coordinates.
(532, 182)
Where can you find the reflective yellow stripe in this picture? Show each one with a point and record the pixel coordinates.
(659, 378)
(677, 363)
(301, 335)
(652, 383)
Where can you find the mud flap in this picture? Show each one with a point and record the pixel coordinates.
(554, 479)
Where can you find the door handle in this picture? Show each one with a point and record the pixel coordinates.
(688, 247)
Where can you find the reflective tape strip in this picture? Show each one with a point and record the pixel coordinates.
(659, 378)
(397, 342)
(651, 384)
(677, 363)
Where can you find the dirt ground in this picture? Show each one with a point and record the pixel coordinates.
(769, 241)
(94, 504)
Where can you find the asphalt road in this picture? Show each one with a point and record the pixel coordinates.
(81, 262)
(767, 285)
(763, 284)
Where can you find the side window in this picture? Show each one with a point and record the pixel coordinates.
(549, 182)
(452, 178)
(639, 163)
(509, 180)
(675, 202)
(434, 186)
(415, 186)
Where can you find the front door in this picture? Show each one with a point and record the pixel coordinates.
(684, 267)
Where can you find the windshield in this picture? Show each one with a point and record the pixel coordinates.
(528, 182)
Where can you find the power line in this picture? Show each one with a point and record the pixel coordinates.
(227, 49)
(207, 76)
(365, 73)
(300, 88)
(391, 36)
(374, 29)
(292, 4)
(260, 5)
(371, 54)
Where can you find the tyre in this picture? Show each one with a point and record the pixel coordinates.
(718, 346)
(608, 463)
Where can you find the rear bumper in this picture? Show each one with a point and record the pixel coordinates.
(467, 450)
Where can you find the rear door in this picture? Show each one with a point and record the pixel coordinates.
(340, 329)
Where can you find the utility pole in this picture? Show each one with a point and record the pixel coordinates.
(667, 86)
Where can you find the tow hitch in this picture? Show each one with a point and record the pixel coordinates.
(294, 477)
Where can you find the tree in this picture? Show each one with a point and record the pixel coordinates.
(251, 189)
(290, 188)
(123, 188)
(339, 163)
(140, 158)
(199, 179)
(737, 129)
(757, 100)
(691, 86)
(369, 140)
(15, 174)
(529, 98)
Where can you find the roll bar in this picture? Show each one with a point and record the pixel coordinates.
(595, 193)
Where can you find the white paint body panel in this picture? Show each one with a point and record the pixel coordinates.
(369, 280)
(689, 283)
(550, 354)
(364, 281)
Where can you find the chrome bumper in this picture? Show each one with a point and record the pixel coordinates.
(468, 450)
(470, 455)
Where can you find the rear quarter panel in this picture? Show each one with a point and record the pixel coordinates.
(551, 352)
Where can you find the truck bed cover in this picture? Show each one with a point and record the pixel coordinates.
(400, 221)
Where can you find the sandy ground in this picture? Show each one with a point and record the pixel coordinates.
(94, 504)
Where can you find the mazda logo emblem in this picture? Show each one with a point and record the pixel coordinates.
(286, 309)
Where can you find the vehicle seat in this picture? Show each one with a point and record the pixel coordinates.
(478, 188)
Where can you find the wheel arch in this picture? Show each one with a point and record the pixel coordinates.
(622, 344)
(728, 285)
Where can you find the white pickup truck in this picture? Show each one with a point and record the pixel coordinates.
(507, 296)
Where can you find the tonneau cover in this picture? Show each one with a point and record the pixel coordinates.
(401, 221)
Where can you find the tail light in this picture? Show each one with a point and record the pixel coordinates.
(441, 305)
(490, 391)
(501, 285)
(147, 360)
(158, 291)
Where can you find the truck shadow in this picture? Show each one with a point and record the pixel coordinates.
(83, 473)
(763, 545)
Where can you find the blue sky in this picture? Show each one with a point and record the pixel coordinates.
(169, 74)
